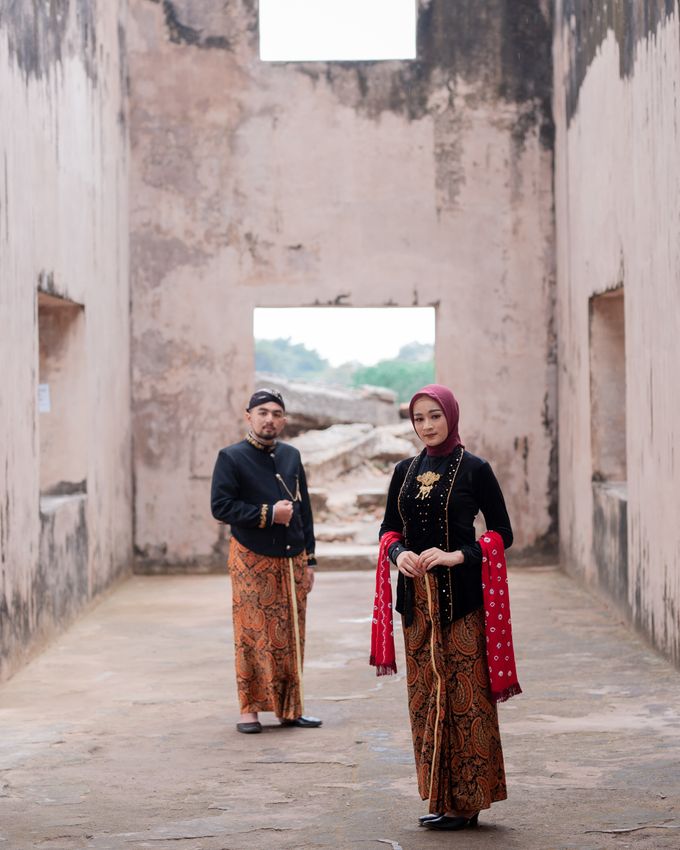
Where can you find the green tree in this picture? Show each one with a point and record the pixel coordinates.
(404, 377)
(412, 368)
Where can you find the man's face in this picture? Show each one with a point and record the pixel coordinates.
(266, 420)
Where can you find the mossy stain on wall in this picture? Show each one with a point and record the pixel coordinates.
(587, 24)
(42, 34)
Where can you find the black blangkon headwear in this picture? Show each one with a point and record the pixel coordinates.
(264, 395)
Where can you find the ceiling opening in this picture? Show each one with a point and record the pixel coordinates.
(337, 30)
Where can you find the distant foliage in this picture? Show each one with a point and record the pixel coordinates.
(411, 369)
(417, 352)
(292, 360)
(402, 376)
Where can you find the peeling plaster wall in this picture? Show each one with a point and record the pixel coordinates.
(64, 229)
(617, 111)
(360, 184)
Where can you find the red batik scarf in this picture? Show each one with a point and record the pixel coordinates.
(383, 656)
(497, 623)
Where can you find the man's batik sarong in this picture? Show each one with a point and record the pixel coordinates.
(269, 630)
(459, 759)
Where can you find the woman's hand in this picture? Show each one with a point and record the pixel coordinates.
(407, 564)
(438, 558)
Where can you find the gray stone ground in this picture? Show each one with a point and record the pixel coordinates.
(121, 734)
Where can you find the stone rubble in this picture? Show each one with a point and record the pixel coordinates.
(350, 467)
(312, 406)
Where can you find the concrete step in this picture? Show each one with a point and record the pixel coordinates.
(319, 499)
(328, 532)
(359, 532)
(371, 499)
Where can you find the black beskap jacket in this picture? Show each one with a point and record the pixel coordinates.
(245, 488)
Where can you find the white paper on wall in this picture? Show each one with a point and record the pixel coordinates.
(44, 405)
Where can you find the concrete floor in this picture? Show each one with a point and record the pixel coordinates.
(121, 735)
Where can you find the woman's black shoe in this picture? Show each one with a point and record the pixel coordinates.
(446, 822)
(422, 820)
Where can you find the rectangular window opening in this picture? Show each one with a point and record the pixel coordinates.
(62, 396)
(608, 386)
(383, 353)
(337, 30)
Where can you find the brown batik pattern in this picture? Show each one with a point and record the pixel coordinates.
(266, 655)
(459, 759)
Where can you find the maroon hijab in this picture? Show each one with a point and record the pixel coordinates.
(447, 401)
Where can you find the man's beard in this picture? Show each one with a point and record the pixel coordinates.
(267, 436)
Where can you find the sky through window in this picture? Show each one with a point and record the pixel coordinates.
(337, 30)
(347, 334)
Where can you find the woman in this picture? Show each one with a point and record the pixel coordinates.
(451, 616)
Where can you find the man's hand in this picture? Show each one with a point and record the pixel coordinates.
(407, 563)
(282, 512)
(309, 575)
(438, 558)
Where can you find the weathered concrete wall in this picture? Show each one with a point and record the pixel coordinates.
(617, 108)
(354, 184)
(64, 230)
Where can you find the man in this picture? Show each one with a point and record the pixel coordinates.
(259, 488)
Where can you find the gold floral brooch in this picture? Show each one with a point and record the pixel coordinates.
(427, 481)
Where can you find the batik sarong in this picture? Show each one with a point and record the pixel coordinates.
(269, 630)
(459, 759)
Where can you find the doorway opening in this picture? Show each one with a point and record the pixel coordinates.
(608, 441)
(63, 431)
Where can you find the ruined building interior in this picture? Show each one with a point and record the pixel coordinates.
(159, 182)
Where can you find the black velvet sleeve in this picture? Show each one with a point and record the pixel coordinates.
(492, 505)
(224, 501)
(307, 517)
(394, 551)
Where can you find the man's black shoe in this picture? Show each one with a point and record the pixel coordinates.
(303, 722)
(251, 728)
(423, 819)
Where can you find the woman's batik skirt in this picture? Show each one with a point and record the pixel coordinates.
(456, 739)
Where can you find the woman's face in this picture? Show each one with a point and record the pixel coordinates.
(429, 421)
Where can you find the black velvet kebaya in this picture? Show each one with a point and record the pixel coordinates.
(445, 518)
